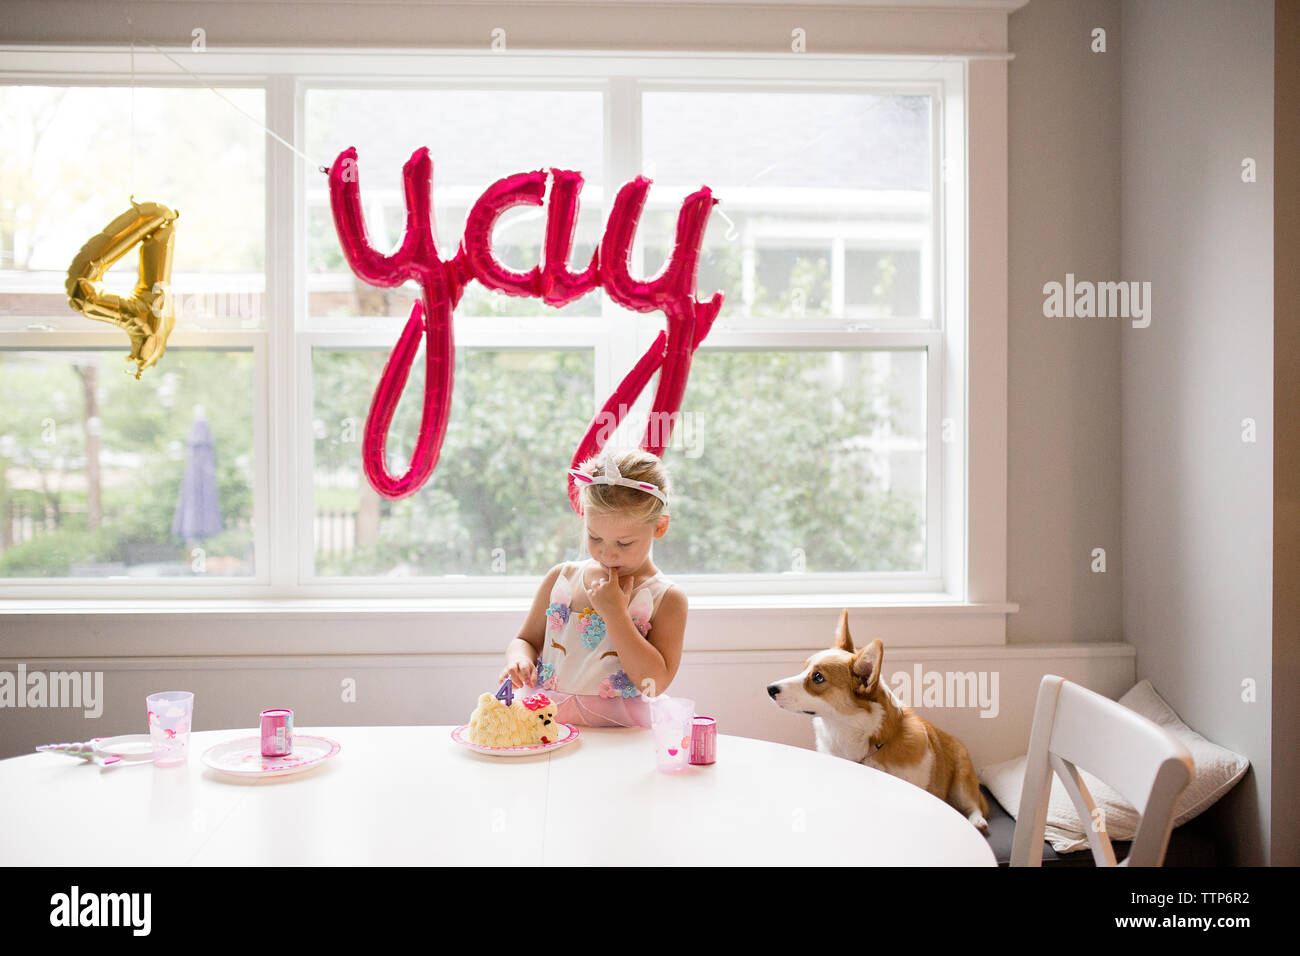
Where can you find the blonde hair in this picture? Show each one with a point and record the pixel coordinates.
(629, 503)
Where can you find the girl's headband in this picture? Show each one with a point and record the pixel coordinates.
(612, 477)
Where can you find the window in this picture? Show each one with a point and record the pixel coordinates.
(820, 426)
(102, 477)
(819, 445)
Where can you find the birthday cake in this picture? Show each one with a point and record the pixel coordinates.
(524, 722)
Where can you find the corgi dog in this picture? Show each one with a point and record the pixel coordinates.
(856, 716)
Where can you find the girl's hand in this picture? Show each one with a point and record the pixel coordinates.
(611, 595)
(522, 673)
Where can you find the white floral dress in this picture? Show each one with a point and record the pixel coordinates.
(579, 666)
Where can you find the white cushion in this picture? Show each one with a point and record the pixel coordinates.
(1217, 771)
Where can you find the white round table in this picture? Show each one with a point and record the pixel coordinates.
(411, 796)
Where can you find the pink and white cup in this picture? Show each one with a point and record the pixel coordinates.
(170, 715)
(670, 724)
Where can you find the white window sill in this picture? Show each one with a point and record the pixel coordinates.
(313, 607)
(39, 629)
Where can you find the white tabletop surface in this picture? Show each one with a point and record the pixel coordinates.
(410, 795)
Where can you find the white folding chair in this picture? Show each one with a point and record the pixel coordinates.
(1075, 727)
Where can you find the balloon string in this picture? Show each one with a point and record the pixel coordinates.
(253, 119)
(130, 186)
(325, 169)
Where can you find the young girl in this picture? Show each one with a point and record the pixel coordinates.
(604, 633)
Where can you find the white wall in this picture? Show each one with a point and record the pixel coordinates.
(1063, 481)
(1197, 501)
(422, 689)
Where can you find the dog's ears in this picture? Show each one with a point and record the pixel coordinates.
(866, 665)
(866, 662)
(842, 639)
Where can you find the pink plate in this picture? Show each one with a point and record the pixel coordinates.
(243, 757)
(570, 735)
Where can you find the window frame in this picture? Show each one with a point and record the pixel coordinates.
(971, 154)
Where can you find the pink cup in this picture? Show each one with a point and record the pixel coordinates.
(277, 732)
(704, 740)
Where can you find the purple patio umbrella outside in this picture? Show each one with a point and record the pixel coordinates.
(198, 512)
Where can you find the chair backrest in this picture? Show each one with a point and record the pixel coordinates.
(1077, 728)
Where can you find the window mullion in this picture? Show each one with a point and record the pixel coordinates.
(622, 329)
(283, 413)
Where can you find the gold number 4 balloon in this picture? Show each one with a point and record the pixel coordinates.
(147, 316)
